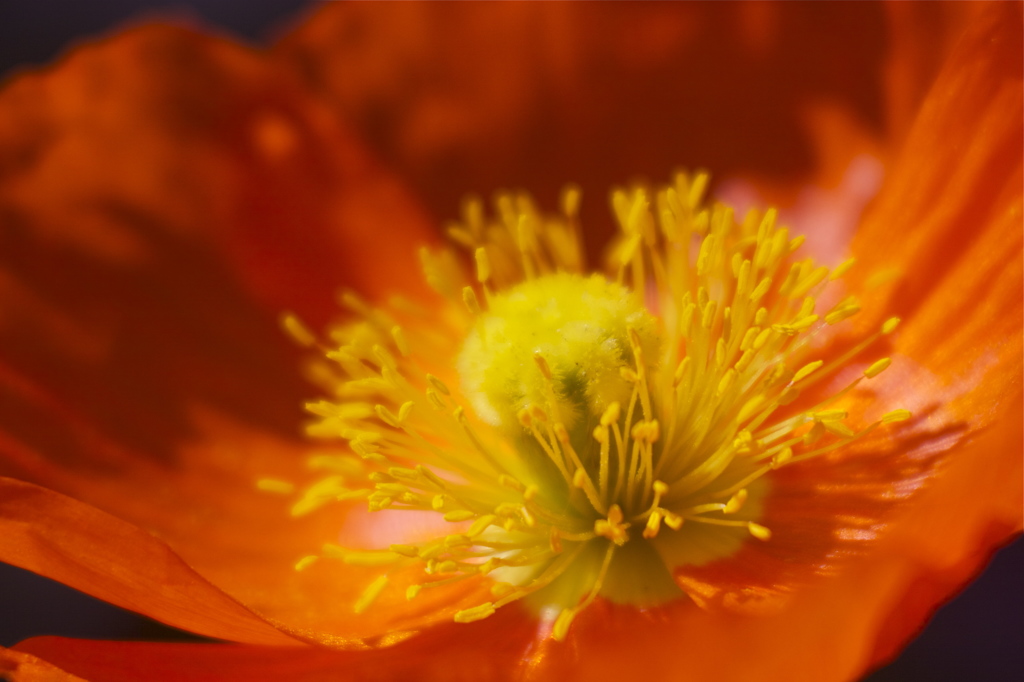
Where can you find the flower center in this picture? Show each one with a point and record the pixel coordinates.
(609, 414)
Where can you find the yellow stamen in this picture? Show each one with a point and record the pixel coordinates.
(561, 416)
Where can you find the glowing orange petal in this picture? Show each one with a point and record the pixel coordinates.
(958, 351)
(16, 666)
(493, 654)
(165, 196)
(594, 93)
(960, 244)
(101, 555)
(160, 140)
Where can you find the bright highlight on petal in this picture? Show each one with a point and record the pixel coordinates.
(569, 425)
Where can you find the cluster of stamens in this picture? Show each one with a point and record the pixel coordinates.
(588, 411)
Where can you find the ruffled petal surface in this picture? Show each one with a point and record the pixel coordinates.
(17, 666)
(470, 98)
(955, 194)
(902, 521)
(99, 554)
(165, 196)
(440, 656)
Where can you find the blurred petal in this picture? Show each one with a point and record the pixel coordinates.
(16, 666)
(594, 93)
(444, 654)
(101, 555)
(164, 196)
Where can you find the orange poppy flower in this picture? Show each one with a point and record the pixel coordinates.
(166, 194)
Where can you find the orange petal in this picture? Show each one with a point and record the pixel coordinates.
(17, 666)
(91, 551)
(476, 97)
(131, 153)
(958, 360)
(493, 652)
(165, 195)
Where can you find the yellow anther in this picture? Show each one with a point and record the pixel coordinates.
(369, 558)
(841, 269)
(475, 613)
(305, 562)
(430, 476)
(762, 338)
(404, 410)
(759, 531)
(647, 432)
(748, 338)
(830, 415)
(483, 265)
(537, 413)
(510, 483)
(708, 315)
(438, 502)
(750, 408)
(673, 521)
(681, 371)
(735, 502)
(611, 414)
(401, 342)
(438, 385)
(370, 594)
(457, 540)
(561, 433)
(725, 383)
(570, 201)
(412, 591)
(838, 429)
(480, 525)
(743, 442)
(272, 485)
(384, 357)
(612, 527)
(896, 416)
(298, 331)
(840, 314)
(889, 326)
(470, 300)
(807, 370)
(459, 515)
(745, 360)
(782, 457)
(579, 478)
(405, 550)
(660, 488)
(800, 325)
(816, 432)
(387, 416)
(760, 290)
(653, 525)
(877, 367)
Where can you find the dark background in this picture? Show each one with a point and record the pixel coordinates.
(979, 636)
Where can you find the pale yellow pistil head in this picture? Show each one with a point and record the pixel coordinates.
(573, 428)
